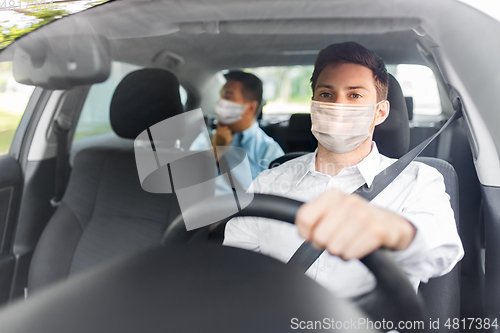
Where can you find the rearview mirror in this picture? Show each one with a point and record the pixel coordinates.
(61, 62)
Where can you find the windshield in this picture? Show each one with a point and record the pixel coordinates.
(98, 78)
(489, 7)
(19, 17)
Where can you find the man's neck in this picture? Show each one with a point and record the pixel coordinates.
(331, 163)
(242, 126)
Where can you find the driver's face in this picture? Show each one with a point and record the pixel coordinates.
(346, 83)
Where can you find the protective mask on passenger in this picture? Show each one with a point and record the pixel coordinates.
(228, 112)
(341, 128)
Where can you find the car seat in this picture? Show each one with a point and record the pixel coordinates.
(441, 294)
(298, 135)
(104, 212)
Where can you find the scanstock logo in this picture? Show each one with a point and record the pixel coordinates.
(165, 167)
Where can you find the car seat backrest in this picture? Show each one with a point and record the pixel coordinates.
(409, 106)
(298, 133)
(105, 213)
(393, 135)
(442, 294)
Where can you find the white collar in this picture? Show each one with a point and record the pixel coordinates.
(368, 167)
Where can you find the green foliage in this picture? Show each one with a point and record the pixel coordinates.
(8, 126)
(40, 17)
(45, 16)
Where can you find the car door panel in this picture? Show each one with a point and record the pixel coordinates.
(36, 210)
(491, 197)
(10, 192)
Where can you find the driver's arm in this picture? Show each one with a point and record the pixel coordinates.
(244, 232)
(349, 227)
(422, 233)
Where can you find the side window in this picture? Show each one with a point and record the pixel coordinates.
(419, 84)
(13, 100)
(287, 90)
(94, 118)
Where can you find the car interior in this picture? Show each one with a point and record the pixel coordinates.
(70, 197)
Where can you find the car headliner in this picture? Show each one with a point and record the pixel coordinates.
(209, 36)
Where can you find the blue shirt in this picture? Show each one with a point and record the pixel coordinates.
(260, 149)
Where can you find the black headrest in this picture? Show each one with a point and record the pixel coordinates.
(393, 135)
(142, 99)
(300, 121)
(409, 106)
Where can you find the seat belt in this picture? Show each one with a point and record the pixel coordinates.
(306, 254)
(72, 102)
(62, 125)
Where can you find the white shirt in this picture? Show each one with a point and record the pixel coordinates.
(417, 194)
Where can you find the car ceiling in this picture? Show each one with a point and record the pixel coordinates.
(216, 35)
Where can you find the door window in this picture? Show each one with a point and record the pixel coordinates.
(94, 118)
(13, 100)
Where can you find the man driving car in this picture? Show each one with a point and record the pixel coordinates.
(412, 216)
(236, 111)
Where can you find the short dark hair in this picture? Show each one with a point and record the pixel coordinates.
(252, 85)
(353, 53)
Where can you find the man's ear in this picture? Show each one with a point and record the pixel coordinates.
(252, 108)
(382, 112)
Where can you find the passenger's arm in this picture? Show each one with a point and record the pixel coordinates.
(222, 138)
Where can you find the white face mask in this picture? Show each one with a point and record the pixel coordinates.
(341, 128)
(228, 112)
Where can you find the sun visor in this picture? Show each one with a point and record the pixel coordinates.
(61, 62)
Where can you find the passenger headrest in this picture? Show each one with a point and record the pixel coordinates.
(393, 135)
(300, 121)
(142, 99)
(409, 106)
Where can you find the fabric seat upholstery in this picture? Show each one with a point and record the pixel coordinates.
(105, 213)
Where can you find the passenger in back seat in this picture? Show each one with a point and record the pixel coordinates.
(412, 216)
(237, 111)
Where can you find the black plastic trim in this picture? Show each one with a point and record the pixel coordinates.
(491, 208)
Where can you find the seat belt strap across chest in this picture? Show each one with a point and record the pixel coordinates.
(62, 125)
(306, 254)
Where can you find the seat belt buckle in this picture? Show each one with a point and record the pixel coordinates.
(55, 203)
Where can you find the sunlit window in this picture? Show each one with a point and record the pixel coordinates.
(94, 118)
(13, 100)
(419, 83)
(287, 90)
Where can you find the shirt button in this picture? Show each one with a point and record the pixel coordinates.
(322, 268)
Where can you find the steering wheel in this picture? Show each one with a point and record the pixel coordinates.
(210, 288)
(392, 299)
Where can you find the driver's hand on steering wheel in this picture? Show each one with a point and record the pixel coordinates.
(349, 227)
